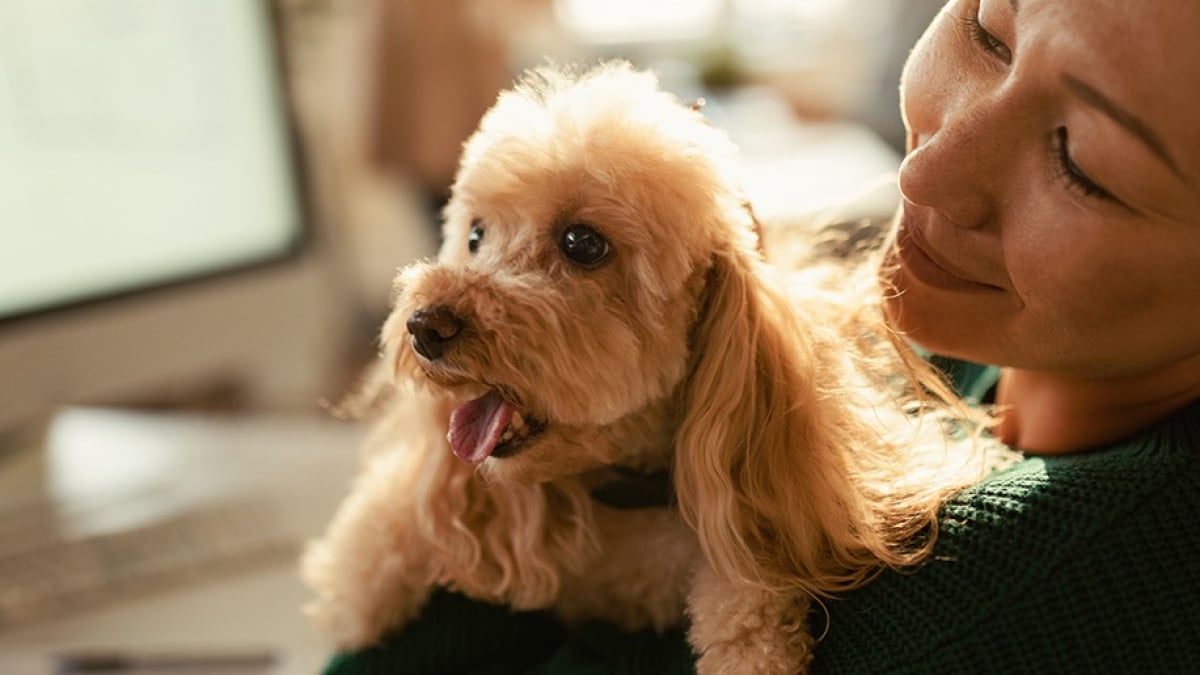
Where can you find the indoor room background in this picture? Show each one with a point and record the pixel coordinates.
(202, 206)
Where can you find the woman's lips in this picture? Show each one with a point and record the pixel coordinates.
(921, 263)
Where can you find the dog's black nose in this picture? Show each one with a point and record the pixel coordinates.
(433, 329)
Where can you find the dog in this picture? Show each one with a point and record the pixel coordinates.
(601, 314)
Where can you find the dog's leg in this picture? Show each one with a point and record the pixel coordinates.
(371, 570)
(740, 629)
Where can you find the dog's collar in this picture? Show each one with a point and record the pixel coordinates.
(630, 489)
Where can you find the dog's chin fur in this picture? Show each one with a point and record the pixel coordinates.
(796, 475)
(638, 441)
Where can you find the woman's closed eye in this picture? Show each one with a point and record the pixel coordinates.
(1069, 171)
(988, 42)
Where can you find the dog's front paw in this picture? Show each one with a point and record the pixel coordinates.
(741, 629)
(756, 653)
(354, 610)
(343, 623)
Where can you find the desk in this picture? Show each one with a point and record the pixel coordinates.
(172, 462)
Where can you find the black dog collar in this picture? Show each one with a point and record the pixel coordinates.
(630, 489)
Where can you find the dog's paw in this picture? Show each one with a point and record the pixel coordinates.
(355, 610)
(343, 623)
(755, 653)
(738, 629)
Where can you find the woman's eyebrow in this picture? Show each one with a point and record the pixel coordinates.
(1127, 120)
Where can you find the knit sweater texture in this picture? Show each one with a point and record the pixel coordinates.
(1081, 563)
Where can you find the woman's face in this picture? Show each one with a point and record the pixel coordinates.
(1051, 213)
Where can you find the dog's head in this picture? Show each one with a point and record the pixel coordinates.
(584, 219)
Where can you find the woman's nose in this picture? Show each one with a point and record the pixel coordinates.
(957, 168)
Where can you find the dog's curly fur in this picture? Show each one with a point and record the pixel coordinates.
(797, 477)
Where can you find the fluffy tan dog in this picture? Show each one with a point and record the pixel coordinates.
(600, 308)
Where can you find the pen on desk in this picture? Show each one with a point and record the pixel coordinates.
(130, 662)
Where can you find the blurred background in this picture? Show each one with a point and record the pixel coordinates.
(202, 205)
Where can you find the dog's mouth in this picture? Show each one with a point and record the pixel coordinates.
(490, 426)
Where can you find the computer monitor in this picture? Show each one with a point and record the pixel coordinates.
(153, 225)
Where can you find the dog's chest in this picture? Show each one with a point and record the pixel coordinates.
(642, 575)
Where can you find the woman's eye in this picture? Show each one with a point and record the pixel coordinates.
(475, 237)
(1075, 178)
(988, 42)
(583, 245)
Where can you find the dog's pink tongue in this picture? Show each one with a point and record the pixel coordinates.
(476, 426)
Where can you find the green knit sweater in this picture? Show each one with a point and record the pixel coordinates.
(1080, 563)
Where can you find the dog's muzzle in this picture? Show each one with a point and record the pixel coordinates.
(433, 330)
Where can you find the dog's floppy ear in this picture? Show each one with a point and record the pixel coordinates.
(760, 470)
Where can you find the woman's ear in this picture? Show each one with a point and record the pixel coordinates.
(760, 469)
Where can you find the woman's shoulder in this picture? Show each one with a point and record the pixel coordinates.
(1080, 560)
(1095, 485)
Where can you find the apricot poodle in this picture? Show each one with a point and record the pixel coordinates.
(600, 315)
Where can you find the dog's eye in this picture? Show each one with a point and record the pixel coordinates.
(583, 245)
(476, 236)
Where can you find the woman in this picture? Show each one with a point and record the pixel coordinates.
(1052, 207)
(1050, 225)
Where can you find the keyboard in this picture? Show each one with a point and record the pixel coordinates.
(43, 572)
